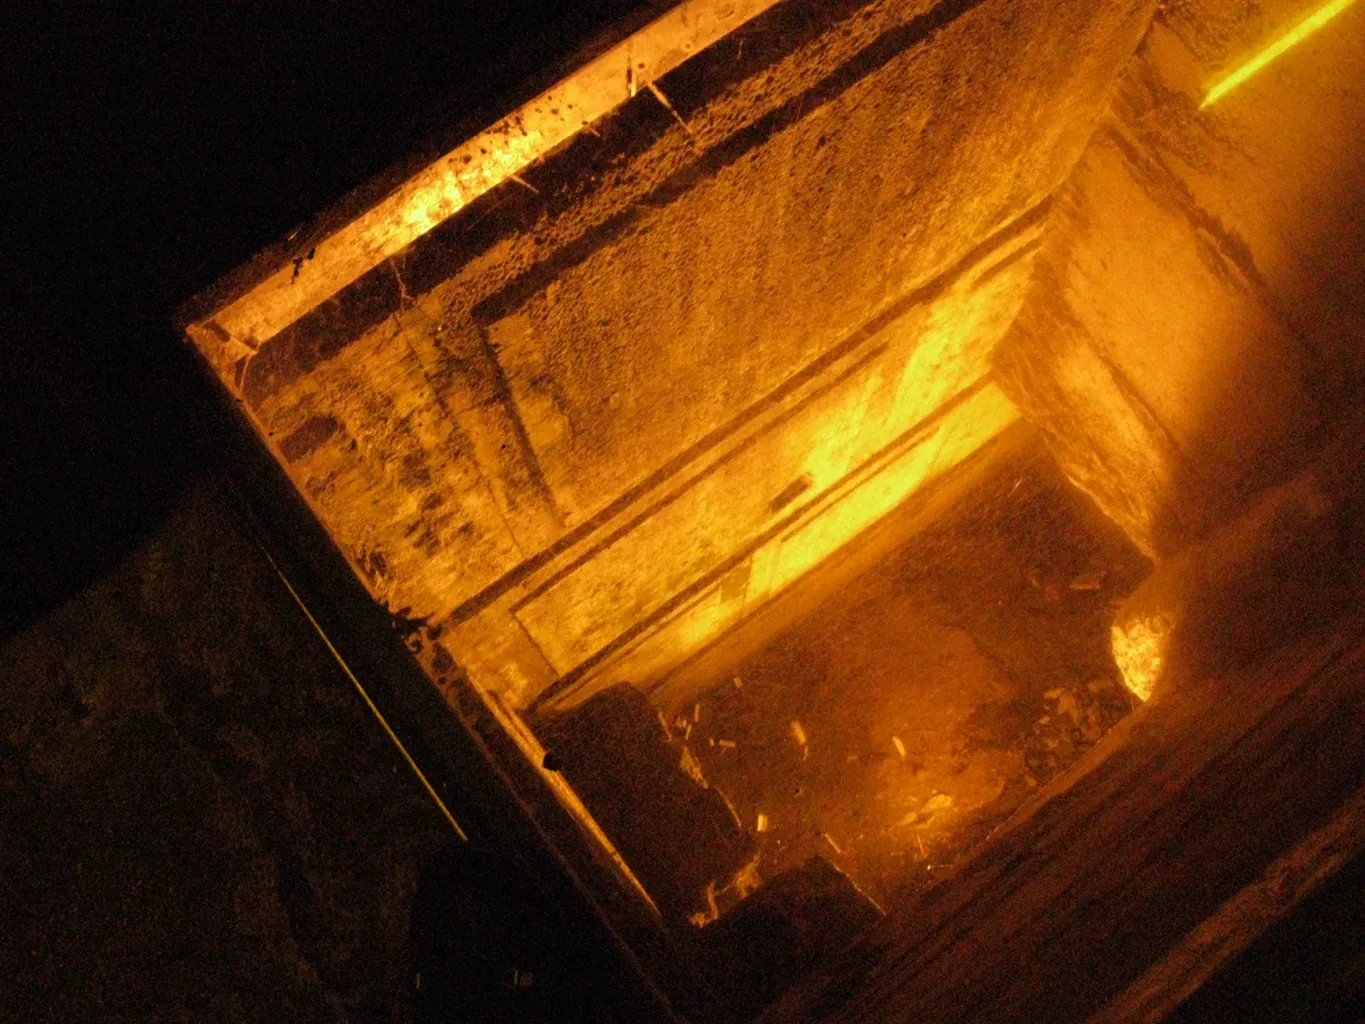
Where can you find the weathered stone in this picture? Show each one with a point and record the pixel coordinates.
(1189, 331)
(679, 835)
(774, 936)
(582, 410)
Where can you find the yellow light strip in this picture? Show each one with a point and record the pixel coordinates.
(1275, 50)
(421, 776)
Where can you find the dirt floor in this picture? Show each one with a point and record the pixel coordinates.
(923, 703)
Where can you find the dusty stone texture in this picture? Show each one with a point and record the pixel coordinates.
(932, 694)
(1289, 561)
(201, 820)
(1195, 322)
(1174, 389)
(718, 297)
(1111, 446)
(1213, 786)
(548, 370)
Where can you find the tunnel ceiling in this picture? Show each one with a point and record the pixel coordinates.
(591, 416)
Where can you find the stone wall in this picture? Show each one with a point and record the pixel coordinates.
(192, 832)
(615, 405)
(1195, 323)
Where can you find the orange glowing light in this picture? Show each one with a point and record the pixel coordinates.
(1140, 652)
(1318, 19)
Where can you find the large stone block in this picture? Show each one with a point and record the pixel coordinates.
(549, 366)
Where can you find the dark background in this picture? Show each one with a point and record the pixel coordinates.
(199, 818)
(149, 148)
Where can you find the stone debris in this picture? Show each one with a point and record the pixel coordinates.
(729, 806)
(691, 768)
(680, 835)
(937, 802)
(1089, 581)
(1069, 706)
(1093, 726)
(778, 933)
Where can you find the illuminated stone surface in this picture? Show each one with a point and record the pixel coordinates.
(621, 411)
(1191, 326)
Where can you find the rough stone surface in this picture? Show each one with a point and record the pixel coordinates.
(201, 820)
(832, 233)
(1195, 321)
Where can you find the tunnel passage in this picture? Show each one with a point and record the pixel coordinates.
(693, 457)
(887, 715)
(592, 421)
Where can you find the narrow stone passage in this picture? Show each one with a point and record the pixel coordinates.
(921, 704)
